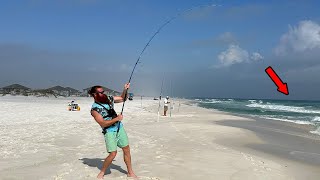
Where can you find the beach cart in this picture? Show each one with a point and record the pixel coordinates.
(73, 106)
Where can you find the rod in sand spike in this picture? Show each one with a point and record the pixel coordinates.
(145, 47)
(160, 98)
(171, 96)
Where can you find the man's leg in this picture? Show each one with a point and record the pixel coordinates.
(127, 160)
(106, 164)
(111, 145)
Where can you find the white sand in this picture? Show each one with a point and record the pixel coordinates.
(40, 139)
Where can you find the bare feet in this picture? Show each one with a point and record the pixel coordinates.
(100, 175)
(132, 175)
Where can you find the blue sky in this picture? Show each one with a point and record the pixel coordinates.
(218, 51)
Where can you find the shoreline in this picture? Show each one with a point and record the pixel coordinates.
(281, 143)
(304, 126)
(301, 148)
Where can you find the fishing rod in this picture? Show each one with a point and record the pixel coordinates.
(160, 98)
(171, 103)
(145, 47)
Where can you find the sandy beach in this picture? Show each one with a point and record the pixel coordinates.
(40, 139)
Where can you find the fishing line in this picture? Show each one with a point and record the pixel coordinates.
(145, 47)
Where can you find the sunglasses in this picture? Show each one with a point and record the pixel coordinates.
(102, 92)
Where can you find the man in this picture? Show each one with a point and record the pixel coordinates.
(104, 114)
(166, 104)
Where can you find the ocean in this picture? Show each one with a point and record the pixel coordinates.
(295, 111)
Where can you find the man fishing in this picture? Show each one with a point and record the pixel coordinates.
(114, 134)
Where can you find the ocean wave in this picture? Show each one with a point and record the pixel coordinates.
(316, 119)
(211, 101)
(283, 108)
(288, 120)
(253, 101)
(317, 131)
(195, 104)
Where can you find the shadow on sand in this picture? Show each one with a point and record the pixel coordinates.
(97, 162)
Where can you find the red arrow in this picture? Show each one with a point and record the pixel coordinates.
(282, 87)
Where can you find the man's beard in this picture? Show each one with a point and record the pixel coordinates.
(102, 99)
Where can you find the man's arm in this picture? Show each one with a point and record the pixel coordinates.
(102, 122)
(119, 99)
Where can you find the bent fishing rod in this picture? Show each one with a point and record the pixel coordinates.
(145, 47)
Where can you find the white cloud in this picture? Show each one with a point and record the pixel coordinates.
(305, 36)
(256, 56)
(234, 54)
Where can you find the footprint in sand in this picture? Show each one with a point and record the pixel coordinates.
(141, 178)
(146, 177)
(161, 156)
(158, 152)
